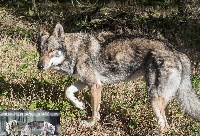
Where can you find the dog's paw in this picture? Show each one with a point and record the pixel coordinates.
(80, 105)
(87, 123)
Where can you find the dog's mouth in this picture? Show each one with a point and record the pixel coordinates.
(42, 66)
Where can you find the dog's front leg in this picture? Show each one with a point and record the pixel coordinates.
(70, 93)
(95, 101)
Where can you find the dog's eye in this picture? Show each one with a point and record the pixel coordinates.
(52, 50)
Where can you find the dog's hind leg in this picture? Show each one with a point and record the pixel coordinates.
(159, 104)
(160, 94)
(162, 84)
(70, 93)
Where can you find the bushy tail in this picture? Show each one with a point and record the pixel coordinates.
(186, 94)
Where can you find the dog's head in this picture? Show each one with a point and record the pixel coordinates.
(50, 128)
(50, 48)
(8, 128)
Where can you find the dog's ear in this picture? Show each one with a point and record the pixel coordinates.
(41, 31)
(58, 31)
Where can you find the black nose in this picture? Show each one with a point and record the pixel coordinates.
(40, 65)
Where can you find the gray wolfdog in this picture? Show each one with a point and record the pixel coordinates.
(44, 127)
(119, 58)
(13, 127)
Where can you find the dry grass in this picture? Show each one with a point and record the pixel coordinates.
(125, 109)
